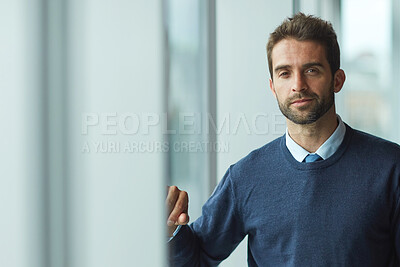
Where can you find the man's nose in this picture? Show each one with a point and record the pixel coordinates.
(299, 83)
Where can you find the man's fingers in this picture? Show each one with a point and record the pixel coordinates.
(172, 197)
(183, 219)
(179, 212)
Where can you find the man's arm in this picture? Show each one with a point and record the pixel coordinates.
(212, 237)
(396, 220)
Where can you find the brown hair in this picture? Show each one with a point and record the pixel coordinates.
(307, 28)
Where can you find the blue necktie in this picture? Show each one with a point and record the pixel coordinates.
(312, 158)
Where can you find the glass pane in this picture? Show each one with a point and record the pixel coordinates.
(370, 102)
(186, 100)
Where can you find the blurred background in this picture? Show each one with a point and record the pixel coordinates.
(104, 103)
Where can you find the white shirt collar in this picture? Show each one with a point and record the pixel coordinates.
(327, 149)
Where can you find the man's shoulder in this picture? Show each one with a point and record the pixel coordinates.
(260, 158)
(374, 145)
(374, 140)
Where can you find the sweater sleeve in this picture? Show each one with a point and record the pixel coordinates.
(214, 235)
(396, 220)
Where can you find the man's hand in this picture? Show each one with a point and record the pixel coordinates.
(177, 203)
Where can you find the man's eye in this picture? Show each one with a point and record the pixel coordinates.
(312, 71)
(283, 74)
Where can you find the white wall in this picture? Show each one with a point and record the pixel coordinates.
(114, 215)
(117, 196)
(19, 178)
(243, 28)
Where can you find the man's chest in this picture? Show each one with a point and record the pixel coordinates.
(317, 215)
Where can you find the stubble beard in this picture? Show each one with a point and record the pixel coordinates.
(319, 108)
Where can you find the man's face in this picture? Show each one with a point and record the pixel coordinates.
(302, 80)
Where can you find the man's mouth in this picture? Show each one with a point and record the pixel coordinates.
(300, 102)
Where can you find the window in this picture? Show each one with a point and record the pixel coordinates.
(191, 151)
(370, 99)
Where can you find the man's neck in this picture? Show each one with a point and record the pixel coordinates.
(312, 136)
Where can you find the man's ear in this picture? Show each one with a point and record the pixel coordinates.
(271, 86)
(338, 80)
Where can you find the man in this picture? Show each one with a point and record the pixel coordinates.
(323, 194)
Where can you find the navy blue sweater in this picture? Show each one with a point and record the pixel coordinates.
(342, 211)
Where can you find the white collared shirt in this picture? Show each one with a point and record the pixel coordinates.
(327, 149)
